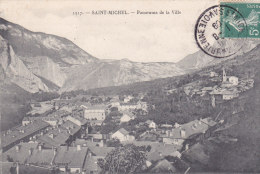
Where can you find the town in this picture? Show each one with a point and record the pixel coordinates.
(72, 134)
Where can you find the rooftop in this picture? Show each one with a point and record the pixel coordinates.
(191, 128)
(123, 131)
(21, 132)
(19, 153)
(41, 157)
(158, 150)
(70, 156)
(96, 107)
(91, 164)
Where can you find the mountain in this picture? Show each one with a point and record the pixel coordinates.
(37, 61)
(199, 59)
(38, 57)
(117, 72)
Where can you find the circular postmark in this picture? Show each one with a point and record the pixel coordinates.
(218, 31)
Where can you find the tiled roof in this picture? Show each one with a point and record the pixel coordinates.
(70, 156)
(158, 150)
(59, 136)
(163, 166)
(91, 164)
(149, 122)
(21, 132)
(130, 114)
(97, 107)
(190, 128)
(22, 154)
(100, 151)
(123, 131)
(41, 157)
(96, 150)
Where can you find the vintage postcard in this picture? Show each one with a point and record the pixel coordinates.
(118, 87)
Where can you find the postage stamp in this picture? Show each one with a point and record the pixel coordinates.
(236, 15)
(208, 31)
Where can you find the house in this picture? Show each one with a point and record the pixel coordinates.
(71, 159)
(62, 135)
(228, 95)
(162, 166)
(123, 135)
(128, 98)
(127, 116)
(95, 148)
(80, 121)
(138, 105)
(30, 153)
(158, 150)
(229, 81)
(213, 74)
(127, 106)
(178, 135)
(23, 133)
(91, 165)
(41, 157)
(51, 120)
(151, 124)
(19, 153)
(95, 112)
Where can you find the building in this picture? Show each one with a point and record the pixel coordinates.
(96, 112)
(30, 153)
(62, 135)
(19, 153)
(228, 95)
(178, 135)
(128, 98)
(23, 133)
(213, 74)
(151, 124)
(158, 150)
(229, 81)
(138, 105)
(91, 165)
(123, 135)
(127, 116)
(51, 120)
(71, 159)
(162, 166)
(80, 121)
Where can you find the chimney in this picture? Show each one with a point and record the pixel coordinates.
(168, 133)
(17, 168)
(54, 151)
(78, 147)
(101, 144)
(51, 135)
(30, 151)
(17, 148)
(186, 146)
(183, 133)
(40, 147)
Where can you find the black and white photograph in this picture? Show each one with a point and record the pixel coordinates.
(129, 87)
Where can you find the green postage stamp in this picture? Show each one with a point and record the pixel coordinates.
(240, 20)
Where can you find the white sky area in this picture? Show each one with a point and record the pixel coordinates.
(143, 38)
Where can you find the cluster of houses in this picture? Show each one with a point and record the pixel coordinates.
(229, 88)
(62, 139)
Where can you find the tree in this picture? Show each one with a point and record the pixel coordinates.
(126, 159)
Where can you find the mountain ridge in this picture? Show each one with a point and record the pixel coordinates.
(57, 64)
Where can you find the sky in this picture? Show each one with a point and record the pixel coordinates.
(142, 38)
